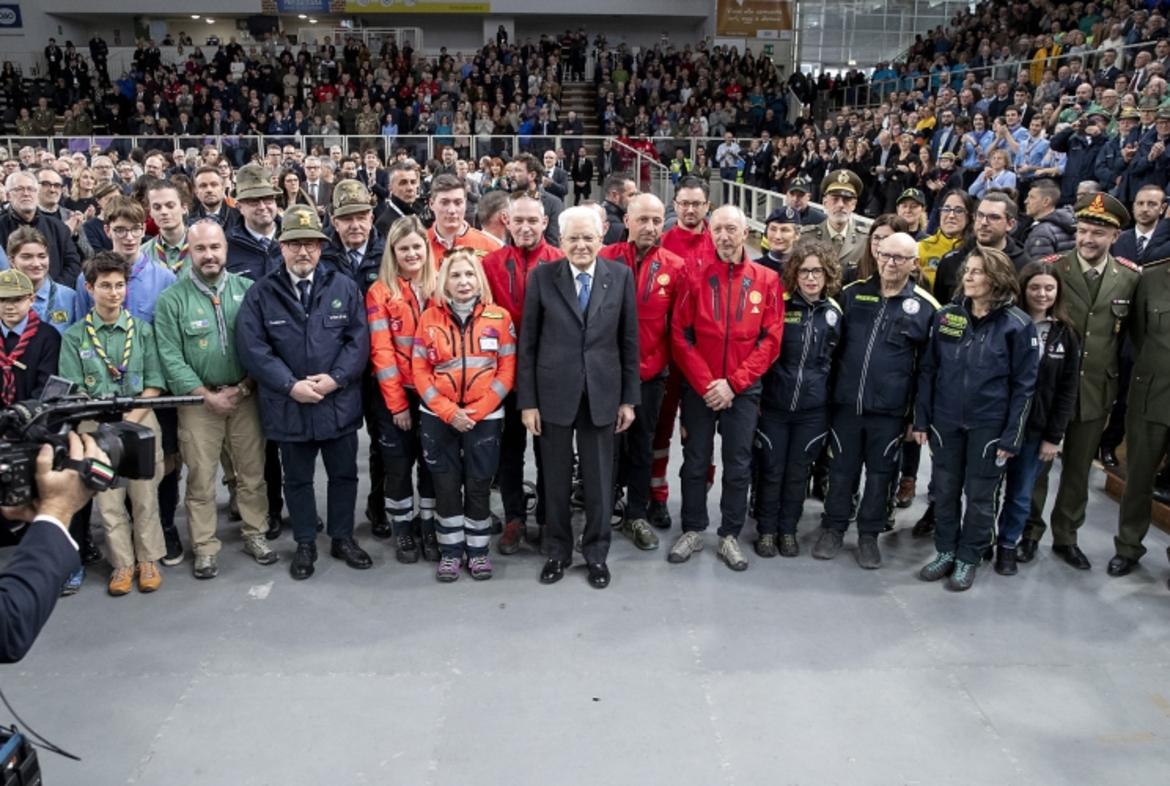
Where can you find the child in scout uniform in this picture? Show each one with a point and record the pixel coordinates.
(28, 252)
(111, 352)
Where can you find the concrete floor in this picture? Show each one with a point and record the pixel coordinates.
(795, 672)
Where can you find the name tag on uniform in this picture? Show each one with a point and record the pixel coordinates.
(277, 322)
(489, 344)
(86, 354)
(200, 323)
(58, 316)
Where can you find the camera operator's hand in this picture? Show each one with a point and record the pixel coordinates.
(61, 492)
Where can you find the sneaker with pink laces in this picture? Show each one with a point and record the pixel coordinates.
(480, 567)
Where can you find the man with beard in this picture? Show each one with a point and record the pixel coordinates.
(995, 219)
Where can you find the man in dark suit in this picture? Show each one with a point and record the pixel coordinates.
(946, 138)
(315, 187)
(373, 176)
(555, 180)
(1148, 240)
(31, 581)
(578, 376)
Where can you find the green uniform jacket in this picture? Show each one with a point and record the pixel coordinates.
(188, 339)
(856, 238)
(81, 364)
(1149, 388)
(1099, 321)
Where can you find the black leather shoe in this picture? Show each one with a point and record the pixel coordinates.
(1121, 566)
(1026, 551)
(1161, 494)
(302, 564)
(553, 571)
(348, 550)
(1005, 561)
(379, 524)
(658, 515)
(925, 525)
(598, 575)
(1108, 458)
(275, 527)
(90, 555)
(1073, 556)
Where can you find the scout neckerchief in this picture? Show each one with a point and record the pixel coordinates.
(217, 302)
(8, 360)
(160, 254)
(116, 372)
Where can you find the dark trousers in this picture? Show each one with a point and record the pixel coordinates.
(300, 460)
(787, 443)
(510, 476)
(462, 464)
(736, 427)
(637, 448)
(1114, 432)
(1023, 471)
(168, 487)
(401, 453)
(273, 477)
(1076, 460)
(1145, 446)
(856, 441)
(595, 454)
(373, 403)
(911, 459)
(964, 463)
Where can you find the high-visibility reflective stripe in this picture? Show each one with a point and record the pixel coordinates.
(426, 503)
(476, 524)
(419, 351)
(507, 349)
(450, 538)
(498, 388)
(399, 504)
(479, 541)
(405, 341)
(429, 394)
(379, 324)
(390, 372)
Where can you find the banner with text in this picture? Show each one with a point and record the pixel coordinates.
(750, 18)
(415, 7)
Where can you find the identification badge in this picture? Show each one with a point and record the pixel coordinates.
(489, 344)
(911, 306)
(86, 354)
(58, 316)
(200, 324)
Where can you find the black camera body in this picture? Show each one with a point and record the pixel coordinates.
(27, 425)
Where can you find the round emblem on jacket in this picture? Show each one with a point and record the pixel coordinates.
(831, 317)
(911, 306)
(755, 298)
(336, 303)
(663, 279)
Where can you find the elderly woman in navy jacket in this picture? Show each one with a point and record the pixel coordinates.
(976, 388)
(794, 414)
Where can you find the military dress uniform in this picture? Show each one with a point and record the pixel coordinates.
(851, 243)
(1147, 425)
(1098, 303)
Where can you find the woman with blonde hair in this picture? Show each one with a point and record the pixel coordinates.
(394, 304)
(975, 389)
(465, 364)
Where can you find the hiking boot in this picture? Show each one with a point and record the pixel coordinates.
(828, 544)
(448, 569)
(730, 552)
(430, 544)
(962, 577)
(509, 541)
(638, 530)
(406, 549)
(938, 568)
(925, 525)
(869, 556)
(174, 554)
(480, 567)
(686, 545)
(1005, 561)
(766, 546)
(906, 491)
(256, 547)
(121, 581)
(789, 547)
(658, 515)
(149, 579)
(205, 567)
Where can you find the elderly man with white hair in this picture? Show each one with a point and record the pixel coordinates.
(23, 194)
(578, 377)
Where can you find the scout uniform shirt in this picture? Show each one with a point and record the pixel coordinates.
(197, 347)
(174, 258)
(55, 304)
(109, 367)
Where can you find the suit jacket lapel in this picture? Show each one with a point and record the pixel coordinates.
(601, 282)
(568, 288)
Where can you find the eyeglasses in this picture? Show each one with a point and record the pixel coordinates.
(690, 205)
(22, 189)
(897, 259)
(810, 272)
(126, 231)
(50, 184)
(953, 211)
(988, 217)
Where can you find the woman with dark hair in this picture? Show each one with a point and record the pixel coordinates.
(975, 388)
(794, 414)
(1053, 403)
(291, 193)
(882, 227)
(956, 224)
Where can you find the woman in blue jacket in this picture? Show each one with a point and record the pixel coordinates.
(975, 391)
(1053, 402)
(794, 414)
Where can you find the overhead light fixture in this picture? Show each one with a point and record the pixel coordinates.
(210, 21)
(302, 16)
(312, 21)
(194, 16)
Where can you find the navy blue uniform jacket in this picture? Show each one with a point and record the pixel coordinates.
(279, 344)
(30, 585)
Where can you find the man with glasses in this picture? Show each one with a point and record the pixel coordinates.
(23, 190)
(840, 191)
(52, 189)
(320, 191)
(252, 247)
(995, 221)
(885, 329)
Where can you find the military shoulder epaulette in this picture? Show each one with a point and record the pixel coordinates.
(1052, 259)
(1126, 263)
(1156, 263)
(929, 298)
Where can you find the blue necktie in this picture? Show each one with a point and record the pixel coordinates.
(355, 260)
(303, 288)
(583, 294)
